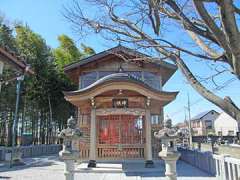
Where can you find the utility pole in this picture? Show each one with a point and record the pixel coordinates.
(1, 72)
(189, 123)
(185, 121)
(15, 121)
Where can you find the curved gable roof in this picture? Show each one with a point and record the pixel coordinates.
(119, 81)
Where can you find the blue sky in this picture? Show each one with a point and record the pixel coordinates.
(45, 18)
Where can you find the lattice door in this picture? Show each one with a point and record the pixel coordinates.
(120, 136)
(120, 129)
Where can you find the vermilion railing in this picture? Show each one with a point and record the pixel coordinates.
(114, 152)
(84, 153)
(120, 152)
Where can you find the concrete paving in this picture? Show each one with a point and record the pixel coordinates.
(51, 168)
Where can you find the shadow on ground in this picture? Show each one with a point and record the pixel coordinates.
(183, 170)
(30, 163)
(4, 177)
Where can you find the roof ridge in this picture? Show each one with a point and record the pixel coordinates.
(115, 49)
(202, 114)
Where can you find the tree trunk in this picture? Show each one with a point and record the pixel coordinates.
(225, 104)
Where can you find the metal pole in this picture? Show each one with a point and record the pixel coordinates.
(15, 121)
(189, 124)
(1, 72)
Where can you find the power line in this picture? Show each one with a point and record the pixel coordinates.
(217, 89)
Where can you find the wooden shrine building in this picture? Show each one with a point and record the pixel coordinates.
(119, 104)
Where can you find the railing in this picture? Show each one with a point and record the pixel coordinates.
(120, 152)
(112, 152)
(227, 168)
(84, 153)
(201, 160)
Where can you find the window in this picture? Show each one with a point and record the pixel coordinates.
(88, 79)
(208, 124)
(149, 78)
(198, 124)
(135, 74)
(155, 119)
(219, 133)
(192, 124)
(152, 80)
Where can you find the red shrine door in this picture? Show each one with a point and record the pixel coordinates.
(120, 136)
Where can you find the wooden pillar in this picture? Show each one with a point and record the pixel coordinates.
(92, 157)
(148, 143)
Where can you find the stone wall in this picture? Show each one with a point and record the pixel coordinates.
(33, 150)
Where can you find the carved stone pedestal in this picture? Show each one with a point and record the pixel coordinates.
(170, 164)
(169, 152)
(68, 159)
(69, 169)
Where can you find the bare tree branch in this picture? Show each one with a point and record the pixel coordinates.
(188, 25)
(205, 47)
(219, 35)
(130, 30)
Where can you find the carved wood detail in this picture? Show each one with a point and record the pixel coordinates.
(112, 111)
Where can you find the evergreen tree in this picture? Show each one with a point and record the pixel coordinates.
(43, 108)
(6, 36)
(67, 52)
(8, 88)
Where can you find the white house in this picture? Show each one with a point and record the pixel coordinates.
(203, 123)
(225, 125)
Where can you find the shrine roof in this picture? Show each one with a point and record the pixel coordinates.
(121, 49)
(122, 81)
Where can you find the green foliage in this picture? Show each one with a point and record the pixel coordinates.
(68, 53)
(87, 51)
(47, 81)
(6, 36)
(42, 102)
(7, 40)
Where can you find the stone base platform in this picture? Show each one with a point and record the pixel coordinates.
(50, 168)
(122, 167)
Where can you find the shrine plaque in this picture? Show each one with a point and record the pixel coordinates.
(120, 103)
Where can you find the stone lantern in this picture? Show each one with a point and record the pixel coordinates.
(68, 154)
(169, 153)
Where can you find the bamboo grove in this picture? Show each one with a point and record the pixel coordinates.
(43, 110)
